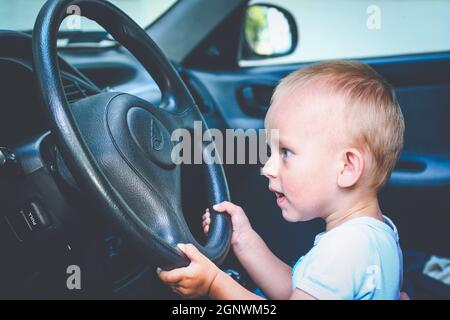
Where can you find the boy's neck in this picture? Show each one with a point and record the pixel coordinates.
(367, 207)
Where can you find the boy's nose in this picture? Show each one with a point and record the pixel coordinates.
(270, 169)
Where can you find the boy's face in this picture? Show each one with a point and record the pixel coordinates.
(303, 168)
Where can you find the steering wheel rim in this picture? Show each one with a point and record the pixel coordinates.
(112, 153)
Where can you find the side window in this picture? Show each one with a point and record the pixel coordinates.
(346, 29)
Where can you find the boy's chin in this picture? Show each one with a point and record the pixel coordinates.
(293, 216)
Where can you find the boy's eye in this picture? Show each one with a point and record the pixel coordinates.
(285, 152)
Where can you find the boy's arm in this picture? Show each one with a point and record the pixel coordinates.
(225, 288)
(270, 274)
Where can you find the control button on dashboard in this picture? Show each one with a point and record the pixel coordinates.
(31, 218)
(35, 216)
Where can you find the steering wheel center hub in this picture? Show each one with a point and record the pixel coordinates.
(151, 136)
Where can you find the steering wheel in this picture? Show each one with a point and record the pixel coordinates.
(118, 146)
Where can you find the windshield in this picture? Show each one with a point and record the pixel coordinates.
(20, 15)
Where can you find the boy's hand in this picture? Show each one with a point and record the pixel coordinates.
(240, 222)
(194, 280)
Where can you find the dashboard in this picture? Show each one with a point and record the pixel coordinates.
(21, 114)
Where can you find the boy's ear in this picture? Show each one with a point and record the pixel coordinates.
(351, 168)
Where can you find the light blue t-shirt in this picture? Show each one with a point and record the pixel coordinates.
(359, 260)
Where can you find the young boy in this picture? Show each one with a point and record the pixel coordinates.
(340, 135)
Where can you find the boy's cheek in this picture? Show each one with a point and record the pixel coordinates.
(303, 205)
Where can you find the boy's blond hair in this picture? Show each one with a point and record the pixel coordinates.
(374, 118)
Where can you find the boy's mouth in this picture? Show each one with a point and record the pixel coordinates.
(279, 195)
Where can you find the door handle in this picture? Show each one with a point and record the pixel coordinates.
(421, 170)
(255, 98)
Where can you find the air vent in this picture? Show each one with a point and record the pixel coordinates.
(74, 91)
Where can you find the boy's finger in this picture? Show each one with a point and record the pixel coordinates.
(227, 206)
(206, 220)
(191, 251)
(171, 277)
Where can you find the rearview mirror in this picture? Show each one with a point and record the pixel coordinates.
(268, 31)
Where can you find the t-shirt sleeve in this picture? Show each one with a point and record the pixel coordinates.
(337, 267)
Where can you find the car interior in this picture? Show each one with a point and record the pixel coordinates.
(74, 192)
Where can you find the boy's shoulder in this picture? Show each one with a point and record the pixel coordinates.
(363, 235)
(343, 258)
(354, 246)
